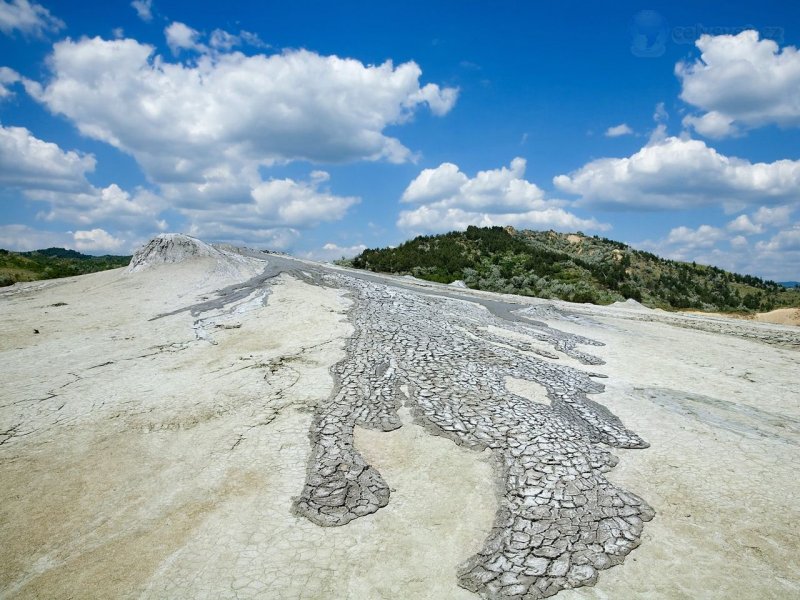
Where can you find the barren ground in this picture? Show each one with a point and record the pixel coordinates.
(161, 458)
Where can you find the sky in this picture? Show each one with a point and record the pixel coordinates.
(322, 128)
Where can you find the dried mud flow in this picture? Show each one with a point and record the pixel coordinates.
(560, 521)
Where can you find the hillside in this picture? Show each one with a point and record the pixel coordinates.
(51, 263)
(573, 267)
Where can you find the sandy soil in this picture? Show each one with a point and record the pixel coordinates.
(158, 459)
(779, 316)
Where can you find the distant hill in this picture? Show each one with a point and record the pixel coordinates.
(790, 284)
(50, 263)
(573, 267)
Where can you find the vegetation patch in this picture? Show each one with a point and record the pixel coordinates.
(573, 267)
(52, 263)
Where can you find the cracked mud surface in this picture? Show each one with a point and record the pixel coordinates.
(560, 520)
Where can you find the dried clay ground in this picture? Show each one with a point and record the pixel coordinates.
(148, 451)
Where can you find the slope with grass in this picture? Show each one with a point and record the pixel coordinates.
(51, 263)
(574, 267)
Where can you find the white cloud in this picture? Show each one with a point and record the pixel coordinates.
(774, 217)
(203, 130)
(784, 241)
(182, 37)
(738, 242)
(45, 173)
(298, 204)
(439, 100)
(330, 252)
(96, 240)
(181, 120)
(277, 204)
(619, 130)
(7, 77)
(493, 189)
(29, 18)
(431, 185)
(449, 199)
(225, 41)
(222, 40)
(433, 219)
(703, 237)
(777, 258)
(741, 82)
(682, 173)
(712, 124)
(660, 114)
(108, 205)
(743, 224)
(270, 238)
(22, 238)
(143, 8)
(30, 163)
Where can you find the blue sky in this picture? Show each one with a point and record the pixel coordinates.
(320, 128)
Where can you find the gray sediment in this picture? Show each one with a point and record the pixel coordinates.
(559, 520)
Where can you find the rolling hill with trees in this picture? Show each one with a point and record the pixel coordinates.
(573, 267)
(51, 263)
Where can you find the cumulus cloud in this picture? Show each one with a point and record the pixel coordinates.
(179, 120)
(682, 173)
(703, 237)
(30, 163)
(29, 18)
(23, 238)
(741, 82)
(182, 37)
(619, 130)
(269, 238)
(143, 8)
(776, 257)
(743, 224)
(761, 220)
(277, 206)
(493, 189)
(96, 240)
(712, 124)
(299, 204)
(738, 242)
(7, 77)
(774, 217)
(449, 199)
(225, 41)
(203, 130)
(784, 241)
(43, 172)
(111, 205)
